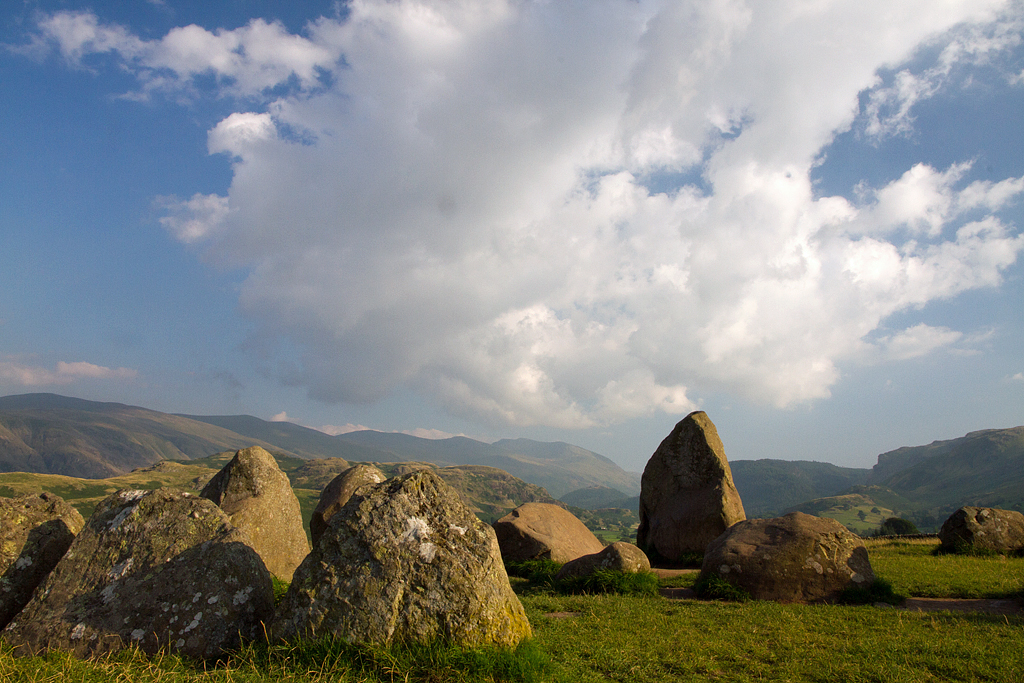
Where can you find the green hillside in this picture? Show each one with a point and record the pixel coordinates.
(767, 487)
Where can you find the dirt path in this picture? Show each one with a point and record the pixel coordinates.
(1009, 607)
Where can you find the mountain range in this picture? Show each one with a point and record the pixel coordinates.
(47, 433)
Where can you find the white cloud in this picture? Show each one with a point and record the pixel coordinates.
(917, 341)
(193, 219)
(21, 374)
(463, 210)
(1019, 377)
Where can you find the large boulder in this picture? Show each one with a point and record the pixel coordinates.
(794, 558)
(337, 493)
(259, 500)
(542, 531)
(687, 496)
(991, 529)
(619, 556)
(35, 532)
(404, 561)
(157, 569)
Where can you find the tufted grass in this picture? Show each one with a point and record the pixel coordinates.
(644, 639)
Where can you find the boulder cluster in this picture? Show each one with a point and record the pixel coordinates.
(400, 560)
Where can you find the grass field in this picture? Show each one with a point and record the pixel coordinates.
(649, 639)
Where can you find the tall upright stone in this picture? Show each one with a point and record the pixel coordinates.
(687, 496)
(35, 532)
(258, 499)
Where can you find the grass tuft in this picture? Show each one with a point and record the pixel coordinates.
(711, 587)
(879, 590)
(610, 581)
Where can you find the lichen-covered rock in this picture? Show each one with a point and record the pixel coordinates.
(35, 532)
(974, 528)
(542, 531)
(404, 561)
(687, 496)
(337, 493)
(619, 556)
(794, 558)
(158, 569)
(259, 500)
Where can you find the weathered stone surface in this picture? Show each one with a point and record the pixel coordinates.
(259, 500)
(977, 528)
(404, 561)
(619, 556)
(687, 496)
(337, 493)
(35, 532)
(159, 568)
(542, 531)
(794, 558)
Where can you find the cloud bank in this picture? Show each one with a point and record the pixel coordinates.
(575, 213)
(15, 372)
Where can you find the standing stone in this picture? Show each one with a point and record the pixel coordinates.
(619, 556)
(259, 500)
(687, 496)
(337, 492)
(157, 569)
(35, 532)
(542, 531)
(974, 528)
(405, 561)
(794, 558)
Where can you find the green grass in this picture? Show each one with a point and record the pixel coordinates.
(914, 570)
(648, 639)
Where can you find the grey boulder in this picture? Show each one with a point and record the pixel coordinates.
(35, 532)
(619, 556)
(404, 561)
(542, 531)
(975, 528)
(337, 493)
(157, 569)
(794, 558)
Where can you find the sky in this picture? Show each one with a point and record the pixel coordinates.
(566, 221)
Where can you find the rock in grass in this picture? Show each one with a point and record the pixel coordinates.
(542, 531)
(619, 556)
(794, 558)
(988, 529)
(259, 500)
(687, 496)
(157, 569)
(337, 493)
(404, 561)
(35, 532)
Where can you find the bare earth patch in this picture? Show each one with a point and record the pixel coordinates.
(1004, 606)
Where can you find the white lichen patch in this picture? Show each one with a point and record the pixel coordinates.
(427, 552)
(78, 632)
(195, 598)
(23, 562)
(242, 596)
(107, 594)
(213, 600)
(460, 529)
(138, 634)
(120, 570)
(416, 529)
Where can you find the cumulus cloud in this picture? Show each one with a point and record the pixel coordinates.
(192, 220)
(22, 374)
(474, 204)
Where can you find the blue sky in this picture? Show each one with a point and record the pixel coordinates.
(567, 221)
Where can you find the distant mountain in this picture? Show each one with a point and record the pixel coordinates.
(767, 487)
(595, 498)
(48, 433)
(984, 468)
(60, 435)
(558, 467)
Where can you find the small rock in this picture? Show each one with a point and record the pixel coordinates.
(542, 531)
(619, 556)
